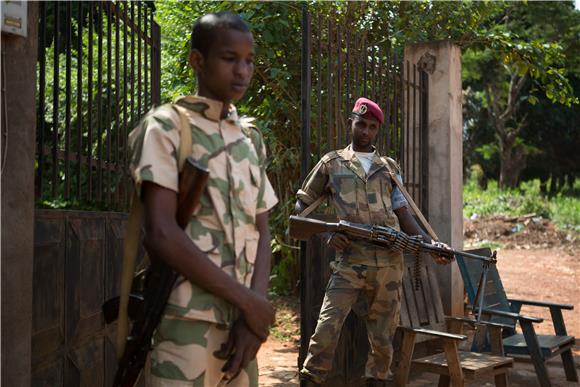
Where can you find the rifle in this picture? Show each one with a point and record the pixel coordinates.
(301, 228)
(146, 305)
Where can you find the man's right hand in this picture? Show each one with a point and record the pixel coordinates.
(338, 241)
(259, 314)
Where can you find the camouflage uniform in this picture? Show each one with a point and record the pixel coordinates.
(197, 322)
(362, 269)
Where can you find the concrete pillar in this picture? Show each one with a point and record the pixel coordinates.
(18, 149)
(442, 60)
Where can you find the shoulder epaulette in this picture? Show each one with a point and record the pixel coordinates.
(393, 165)
(330, 156)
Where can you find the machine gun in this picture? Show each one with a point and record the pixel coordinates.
(301, 228)
(149, 295)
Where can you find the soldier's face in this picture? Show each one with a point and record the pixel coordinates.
(364, 132)
(224, 74)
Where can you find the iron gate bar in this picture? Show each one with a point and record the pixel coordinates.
(117, 86)
(99, 104)
(67, 118)
(139, 61)
(306, 87)
(425, 135)
(379, 81)
(414, 134)
(132, 64)
(420, 161)
(337, 95)
(109, 113)
(347, 84)
(41, 89)
(125, 115)
(319, 87)
(365, 64)
(397, 106)
(90, 105)
(55, 93)
(408, 122)
(145, 70)
(329, 138)
(79, 96)
(373, 75)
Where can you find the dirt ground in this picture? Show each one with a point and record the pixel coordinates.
(538, 264)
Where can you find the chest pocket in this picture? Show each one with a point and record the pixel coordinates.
(249, 175)
(344, 187)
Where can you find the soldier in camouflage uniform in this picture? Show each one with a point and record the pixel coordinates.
(217, 315)
(357, 181)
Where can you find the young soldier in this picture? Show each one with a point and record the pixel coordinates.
(357, 181)
(217, 315)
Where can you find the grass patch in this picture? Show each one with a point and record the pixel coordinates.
(563, 209)
(287, 325)
(483, 244)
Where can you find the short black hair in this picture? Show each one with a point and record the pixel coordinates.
(204, 29)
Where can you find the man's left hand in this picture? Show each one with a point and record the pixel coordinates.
(438, 258)
(242, 347)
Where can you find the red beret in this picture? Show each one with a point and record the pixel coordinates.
(364, 106)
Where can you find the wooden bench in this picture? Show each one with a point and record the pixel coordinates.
(422, 319)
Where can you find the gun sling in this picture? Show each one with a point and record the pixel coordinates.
(131, 242)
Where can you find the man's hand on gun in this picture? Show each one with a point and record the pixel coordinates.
(441, 259)
(338, 241)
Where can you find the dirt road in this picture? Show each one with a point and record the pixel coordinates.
(536, 274)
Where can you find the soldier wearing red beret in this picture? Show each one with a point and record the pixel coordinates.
(357, 181)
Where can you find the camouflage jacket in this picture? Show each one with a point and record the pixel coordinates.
(223, 226)
(357, 197)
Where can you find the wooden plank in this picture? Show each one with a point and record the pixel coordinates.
(548, 344)
(406, 354)
(569, 366)
(436, 295)
(419, 301)
(410, 299)
(429, 297)
(501, 380)
(404, 309)
(454, 365)
(496, 340)
(473, 364)
(534, 350)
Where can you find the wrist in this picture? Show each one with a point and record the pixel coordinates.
(243, 299)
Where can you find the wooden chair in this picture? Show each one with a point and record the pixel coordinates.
(422, 319)
(499, 308)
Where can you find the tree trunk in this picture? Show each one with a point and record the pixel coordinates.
(512, 154)
(512, 163)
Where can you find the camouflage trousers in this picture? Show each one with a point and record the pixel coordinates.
(382, 288)
(185, 354)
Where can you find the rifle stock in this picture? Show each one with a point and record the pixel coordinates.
(159, 282)
(303, 229)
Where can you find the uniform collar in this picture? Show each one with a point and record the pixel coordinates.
(354, 164)
(209, 108)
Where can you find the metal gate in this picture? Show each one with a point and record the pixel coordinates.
(340, 64)
(98, 72)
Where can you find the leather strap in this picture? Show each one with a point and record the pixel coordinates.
(312, 206)
(412, 204)
(131, 241)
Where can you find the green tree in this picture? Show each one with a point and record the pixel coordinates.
(526, 57)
